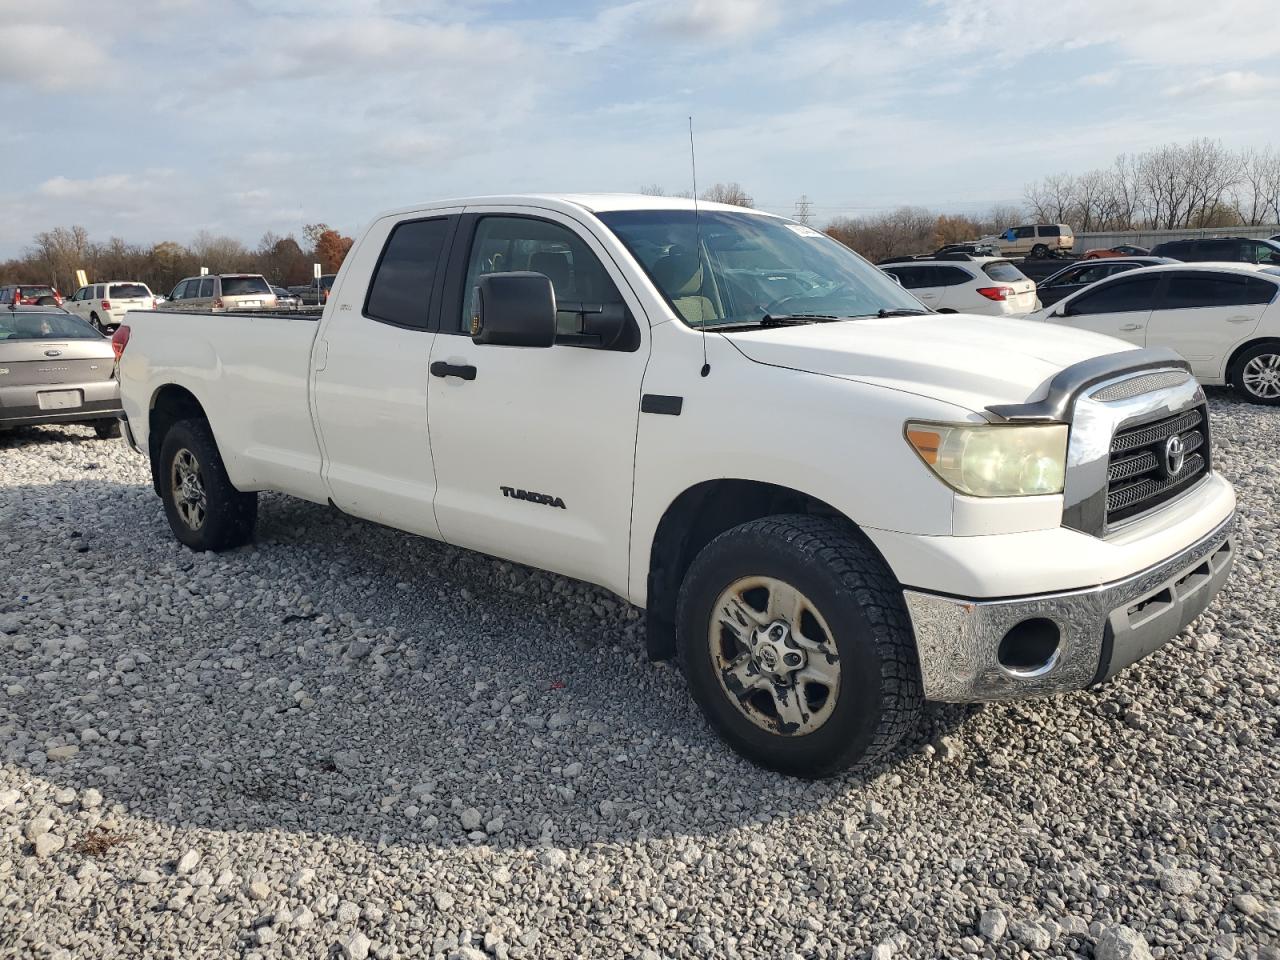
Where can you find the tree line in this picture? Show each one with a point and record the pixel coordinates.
(55, 255)
(1177, 186)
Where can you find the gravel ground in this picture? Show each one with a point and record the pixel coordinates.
(347, 741)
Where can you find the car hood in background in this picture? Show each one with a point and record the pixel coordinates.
(965, 360)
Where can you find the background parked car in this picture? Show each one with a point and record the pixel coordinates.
(222, 292)
(56, 368)
(285, 299)
(1223, 318)
(1220, 250)
(1119, 250)
(315, 295)
(105, 304)
(1076, 277)
(1034, 240)
(964, 284)
(28, 293)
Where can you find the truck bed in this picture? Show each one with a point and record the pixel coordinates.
(252, 372)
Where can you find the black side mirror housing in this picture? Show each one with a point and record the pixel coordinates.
(514, 310)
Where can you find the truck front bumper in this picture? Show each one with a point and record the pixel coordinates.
(1001, 649)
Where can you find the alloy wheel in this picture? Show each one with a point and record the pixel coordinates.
(1261, 376)
(187, 485)
(774, 655)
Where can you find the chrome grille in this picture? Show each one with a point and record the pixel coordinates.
(1138, 475)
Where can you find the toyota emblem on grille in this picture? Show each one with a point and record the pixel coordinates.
(1175, 454)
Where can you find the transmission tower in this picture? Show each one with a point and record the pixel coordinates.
(804, 213)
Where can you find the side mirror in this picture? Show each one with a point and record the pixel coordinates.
(514, 310)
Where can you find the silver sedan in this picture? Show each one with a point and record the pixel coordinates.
(56, 368)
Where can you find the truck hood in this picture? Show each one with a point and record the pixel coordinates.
(969, 361)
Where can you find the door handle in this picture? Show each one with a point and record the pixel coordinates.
(463, 371)
(1239, 319)
(1131, 326)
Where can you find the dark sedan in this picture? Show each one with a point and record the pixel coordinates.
(56, 368)
(1070, 279)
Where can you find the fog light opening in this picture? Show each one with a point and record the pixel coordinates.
(1030, 648)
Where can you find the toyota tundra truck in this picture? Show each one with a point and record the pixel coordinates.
(832, 503)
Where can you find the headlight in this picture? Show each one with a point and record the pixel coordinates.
(993, 460)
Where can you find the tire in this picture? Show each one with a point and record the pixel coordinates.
(1039, 251)
(1256, 374)
(106, 429)
(205, 511)
(96, 323)
(847, 597)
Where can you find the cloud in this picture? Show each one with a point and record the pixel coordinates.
(49, 58)
(1232, 83)
(716, 20)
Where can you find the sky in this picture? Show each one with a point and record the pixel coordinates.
(155, 119)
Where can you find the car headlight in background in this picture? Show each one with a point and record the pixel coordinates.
(993, 460)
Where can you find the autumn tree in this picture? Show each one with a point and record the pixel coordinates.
(331, 249)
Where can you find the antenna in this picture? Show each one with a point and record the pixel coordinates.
(697, 230)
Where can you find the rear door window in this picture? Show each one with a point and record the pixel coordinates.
(1024, 233)
(1119, 296)
(1189, 291)
(950, 277)
(400, 292)
(206, 288)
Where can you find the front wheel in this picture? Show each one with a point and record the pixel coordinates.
(1256, 374)
(205, 511)
(796, 645)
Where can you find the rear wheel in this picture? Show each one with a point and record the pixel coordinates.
(97, 324)
(1039, 251)
(106, 429)
(1256, 375)
(205, 511)
(796, 645)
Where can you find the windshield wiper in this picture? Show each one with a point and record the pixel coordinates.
(792, 319)
(774, 320)
(900, 313)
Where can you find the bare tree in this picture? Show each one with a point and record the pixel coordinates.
(728, 193)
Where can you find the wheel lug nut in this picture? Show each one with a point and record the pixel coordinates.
(792, 659)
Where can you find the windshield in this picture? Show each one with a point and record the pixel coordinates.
(748, 267)
(17, 325)
(239, 286)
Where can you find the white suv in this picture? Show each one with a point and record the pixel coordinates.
(105, 304)
(1224, 318)
(959, 283)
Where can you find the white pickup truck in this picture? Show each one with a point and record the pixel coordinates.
(832, 503)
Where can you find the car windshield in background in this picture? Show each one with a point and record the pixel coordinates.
(1004, 271)
(240, 286)
(125, 291)
(19, 325)
(748, 267)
